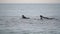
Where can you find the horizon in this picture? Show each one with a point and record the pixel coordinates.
(31, 1)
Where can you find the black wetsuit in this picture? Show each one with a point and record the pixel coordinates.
(23, 16)
(41, 16)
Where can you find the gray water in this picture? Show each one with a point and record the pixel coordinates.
(29, 9)
(12, 23)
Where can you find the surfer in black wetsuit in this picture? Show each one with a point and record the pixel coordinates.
(41, 17)
(24, 17)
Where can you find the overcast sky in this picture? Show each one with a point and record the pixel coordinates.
(29, 1)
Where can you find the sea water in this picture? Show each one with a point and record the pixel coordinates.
(12, 23)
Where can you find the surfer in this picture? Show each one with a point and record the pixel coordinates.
(25, 17)
(41, 17)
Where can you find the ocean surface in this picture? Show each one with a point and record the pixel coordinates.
(29, 9)
(11, 21)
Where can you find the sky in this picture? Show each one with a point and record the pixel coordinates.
(29, 1)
